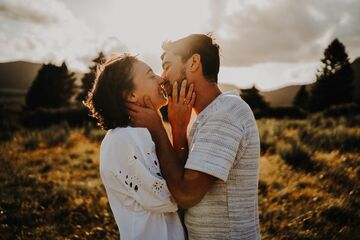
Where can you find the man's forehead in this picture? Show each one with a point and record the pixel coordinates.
(169, 57)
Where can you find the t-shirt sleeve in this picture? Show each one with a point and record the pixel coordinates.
(149, 190)
(215, 146)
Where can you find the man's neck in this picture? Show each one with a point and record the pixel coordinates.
(206, 92)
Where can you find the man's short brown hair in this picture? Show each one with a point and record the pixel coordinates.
(201, 44)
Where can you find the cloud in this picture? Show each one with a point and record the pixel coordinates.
(269, 76)
(286, 31)
(44, 31)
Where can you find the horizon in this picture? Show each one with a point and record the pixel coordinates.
(257, 46)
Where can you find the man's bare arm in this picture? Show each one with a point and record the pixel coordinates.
(187, 186)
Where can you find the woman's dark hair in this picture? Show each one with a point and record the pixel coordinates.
(108, 97)
(201, 44)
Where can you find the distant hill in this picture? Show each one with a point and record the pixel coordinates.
(15, 80)
(281, 97)
(276, 98)
(17, 75)
(284, 96)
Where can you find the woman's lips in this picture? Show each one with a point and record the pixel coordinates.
(166, 87)
(163, 91)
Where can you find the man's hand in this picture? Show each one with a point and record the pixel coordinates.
(180, 107)
(146, 117)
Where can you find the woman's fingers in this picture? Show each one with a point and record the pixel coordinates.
(184, 97)
(182, 90)
(175, 92)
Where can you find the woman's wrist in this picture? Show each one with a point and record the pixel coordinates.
(179, 130)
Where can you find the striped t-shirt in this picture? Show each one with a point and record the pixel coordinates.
(224, 142)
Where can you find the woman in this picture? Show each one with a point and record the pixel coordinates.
(138, 195)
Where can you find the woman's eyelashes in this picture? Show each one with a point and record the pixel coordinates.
(151, 74)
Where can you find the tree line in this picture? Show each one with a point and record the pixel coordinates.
(334, 84)
(55, 87)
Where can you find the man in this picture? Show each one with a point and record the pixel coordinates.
(215, 176)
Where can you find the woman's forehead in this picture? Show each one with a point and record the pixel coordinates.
(141, 67)
(140, 70)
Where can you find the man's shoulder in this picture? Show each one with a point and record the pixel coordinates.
(232, 106)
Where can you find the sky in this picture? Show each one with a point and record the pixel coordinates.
(269, 43)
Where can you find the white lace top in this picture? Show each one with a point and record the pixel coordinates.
(138, 195)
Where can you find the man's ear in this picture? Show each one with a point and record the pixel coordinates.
(195, 62)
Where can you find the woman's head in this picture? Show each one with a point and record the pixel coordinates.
(119, 80)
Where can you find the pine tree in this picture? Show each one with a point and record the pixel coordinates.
(334, 82)
(88, 79)
(53, 87)
(302, 97)
(252, 97)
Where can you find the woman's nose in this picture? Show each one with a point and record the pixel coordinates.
(160, 80)
(163, 75)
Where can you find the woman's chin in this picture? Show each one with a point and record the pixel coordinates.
(161, 103)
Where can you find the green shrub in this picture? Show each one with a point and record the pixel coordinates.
(45, 117)
(353, 121)
(32, 140)
(94, 134)
(294, 153)
(349, 110)
(267, 140)
(56, 135)
(280, 112)
(53, 136)
(329, 139)
(9, 124)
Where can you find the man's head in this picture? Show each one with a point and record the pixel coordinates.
(186, 57)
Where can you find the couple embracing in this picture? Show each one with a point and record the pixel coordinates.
(200, 184)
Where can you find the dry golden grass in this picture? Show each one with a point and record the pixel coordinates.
(51, 188)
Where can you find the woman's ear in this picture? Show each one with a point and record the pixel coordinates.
(132, 97)
(195, 62)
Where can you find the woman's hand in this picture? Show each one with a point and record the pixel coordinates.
(180, 106)
(146, 117)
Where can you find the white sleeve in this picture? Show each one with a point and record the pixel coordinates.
(150, 191)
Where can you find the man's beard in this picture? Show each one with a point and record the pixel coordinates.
(168, 86)
(181, 78)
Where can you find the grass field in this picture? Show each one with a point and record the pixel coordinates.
(309, 182)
